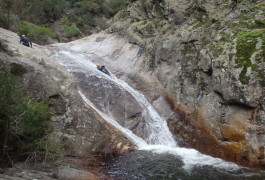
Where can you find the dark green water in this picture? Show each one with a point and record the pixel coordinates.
(145, 165)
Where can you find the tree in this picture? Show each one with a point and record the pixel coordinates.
(6, 6)
(48, 10)
(22, 124)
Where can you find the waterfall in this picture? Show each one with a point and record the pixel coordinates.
(159, 138)
(158, 129)
(137, 140)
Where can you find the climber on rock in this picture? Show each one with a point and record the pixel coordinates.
(25, 41)
(103, 69)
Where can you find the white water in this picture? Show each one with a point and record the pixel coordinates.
(158, 129)
(158, 132)
(139, 142)
(160, 140)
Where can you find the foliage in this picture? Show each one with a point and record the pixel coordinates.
(88, 11)
(71, 30)
(5, 6)
(24, 126)
(92, 6)
(47, 149)
(40, 11)
(35, 33)
(116, 5)
(82, 16)
(3, 20)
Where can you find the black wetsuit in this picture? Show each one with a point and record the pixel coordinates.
(25, 41)
(103, 69)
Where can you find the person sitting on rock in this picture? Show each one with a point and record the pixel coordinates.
(25, 41)
(103, 69)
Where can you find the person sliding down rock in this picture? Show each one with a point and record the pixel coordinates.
(103, 69)
(25, 41)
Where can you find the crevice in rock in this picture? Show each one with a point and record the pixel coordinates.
(55, 96)
(134, 115)
(57, 103)
(209, 72)
(233, 102)
(3, 47)
(233, 8)
(190, 41)
(241, 105)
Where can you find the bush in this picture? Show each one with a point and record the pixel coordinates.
(3, 21)
(117, 4)
(110, 8)
(71, 30)
(23, 125)
(86, 6)
(40, 11)
(49, 149)
(6, 7)
(36, 33)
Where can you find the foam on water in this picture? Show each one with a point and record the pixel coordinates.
(191, 157)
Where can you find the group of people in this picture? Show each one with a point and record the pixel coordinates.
(27, 42)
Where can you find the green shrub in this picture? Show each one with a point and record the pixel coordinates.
(71, 30)
(40, 11)
(119, 4)
(110, 8)
(23, 125)
(36, 33)
(49, 149)
(3, 21)
(92, 6)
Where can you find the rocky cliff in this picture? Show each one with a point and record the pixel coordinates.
(80, 128)
(206, 58)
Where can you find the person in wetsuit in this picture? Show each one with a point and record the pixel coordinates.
(103, 69)
(25, 41)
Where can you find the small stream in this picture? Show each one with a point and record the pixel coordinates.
(158, 155)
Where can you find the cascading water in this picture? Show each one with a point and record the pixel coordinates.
(137, 140)
(157, 130)
(157, 139)
(159, 133)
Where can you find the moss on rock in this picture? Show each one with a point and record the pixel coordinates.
(246, 47)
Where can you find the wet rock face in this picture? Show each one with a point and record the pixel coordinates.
(108, 97)
(114, 101)
(41, 78)
(209, 57)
